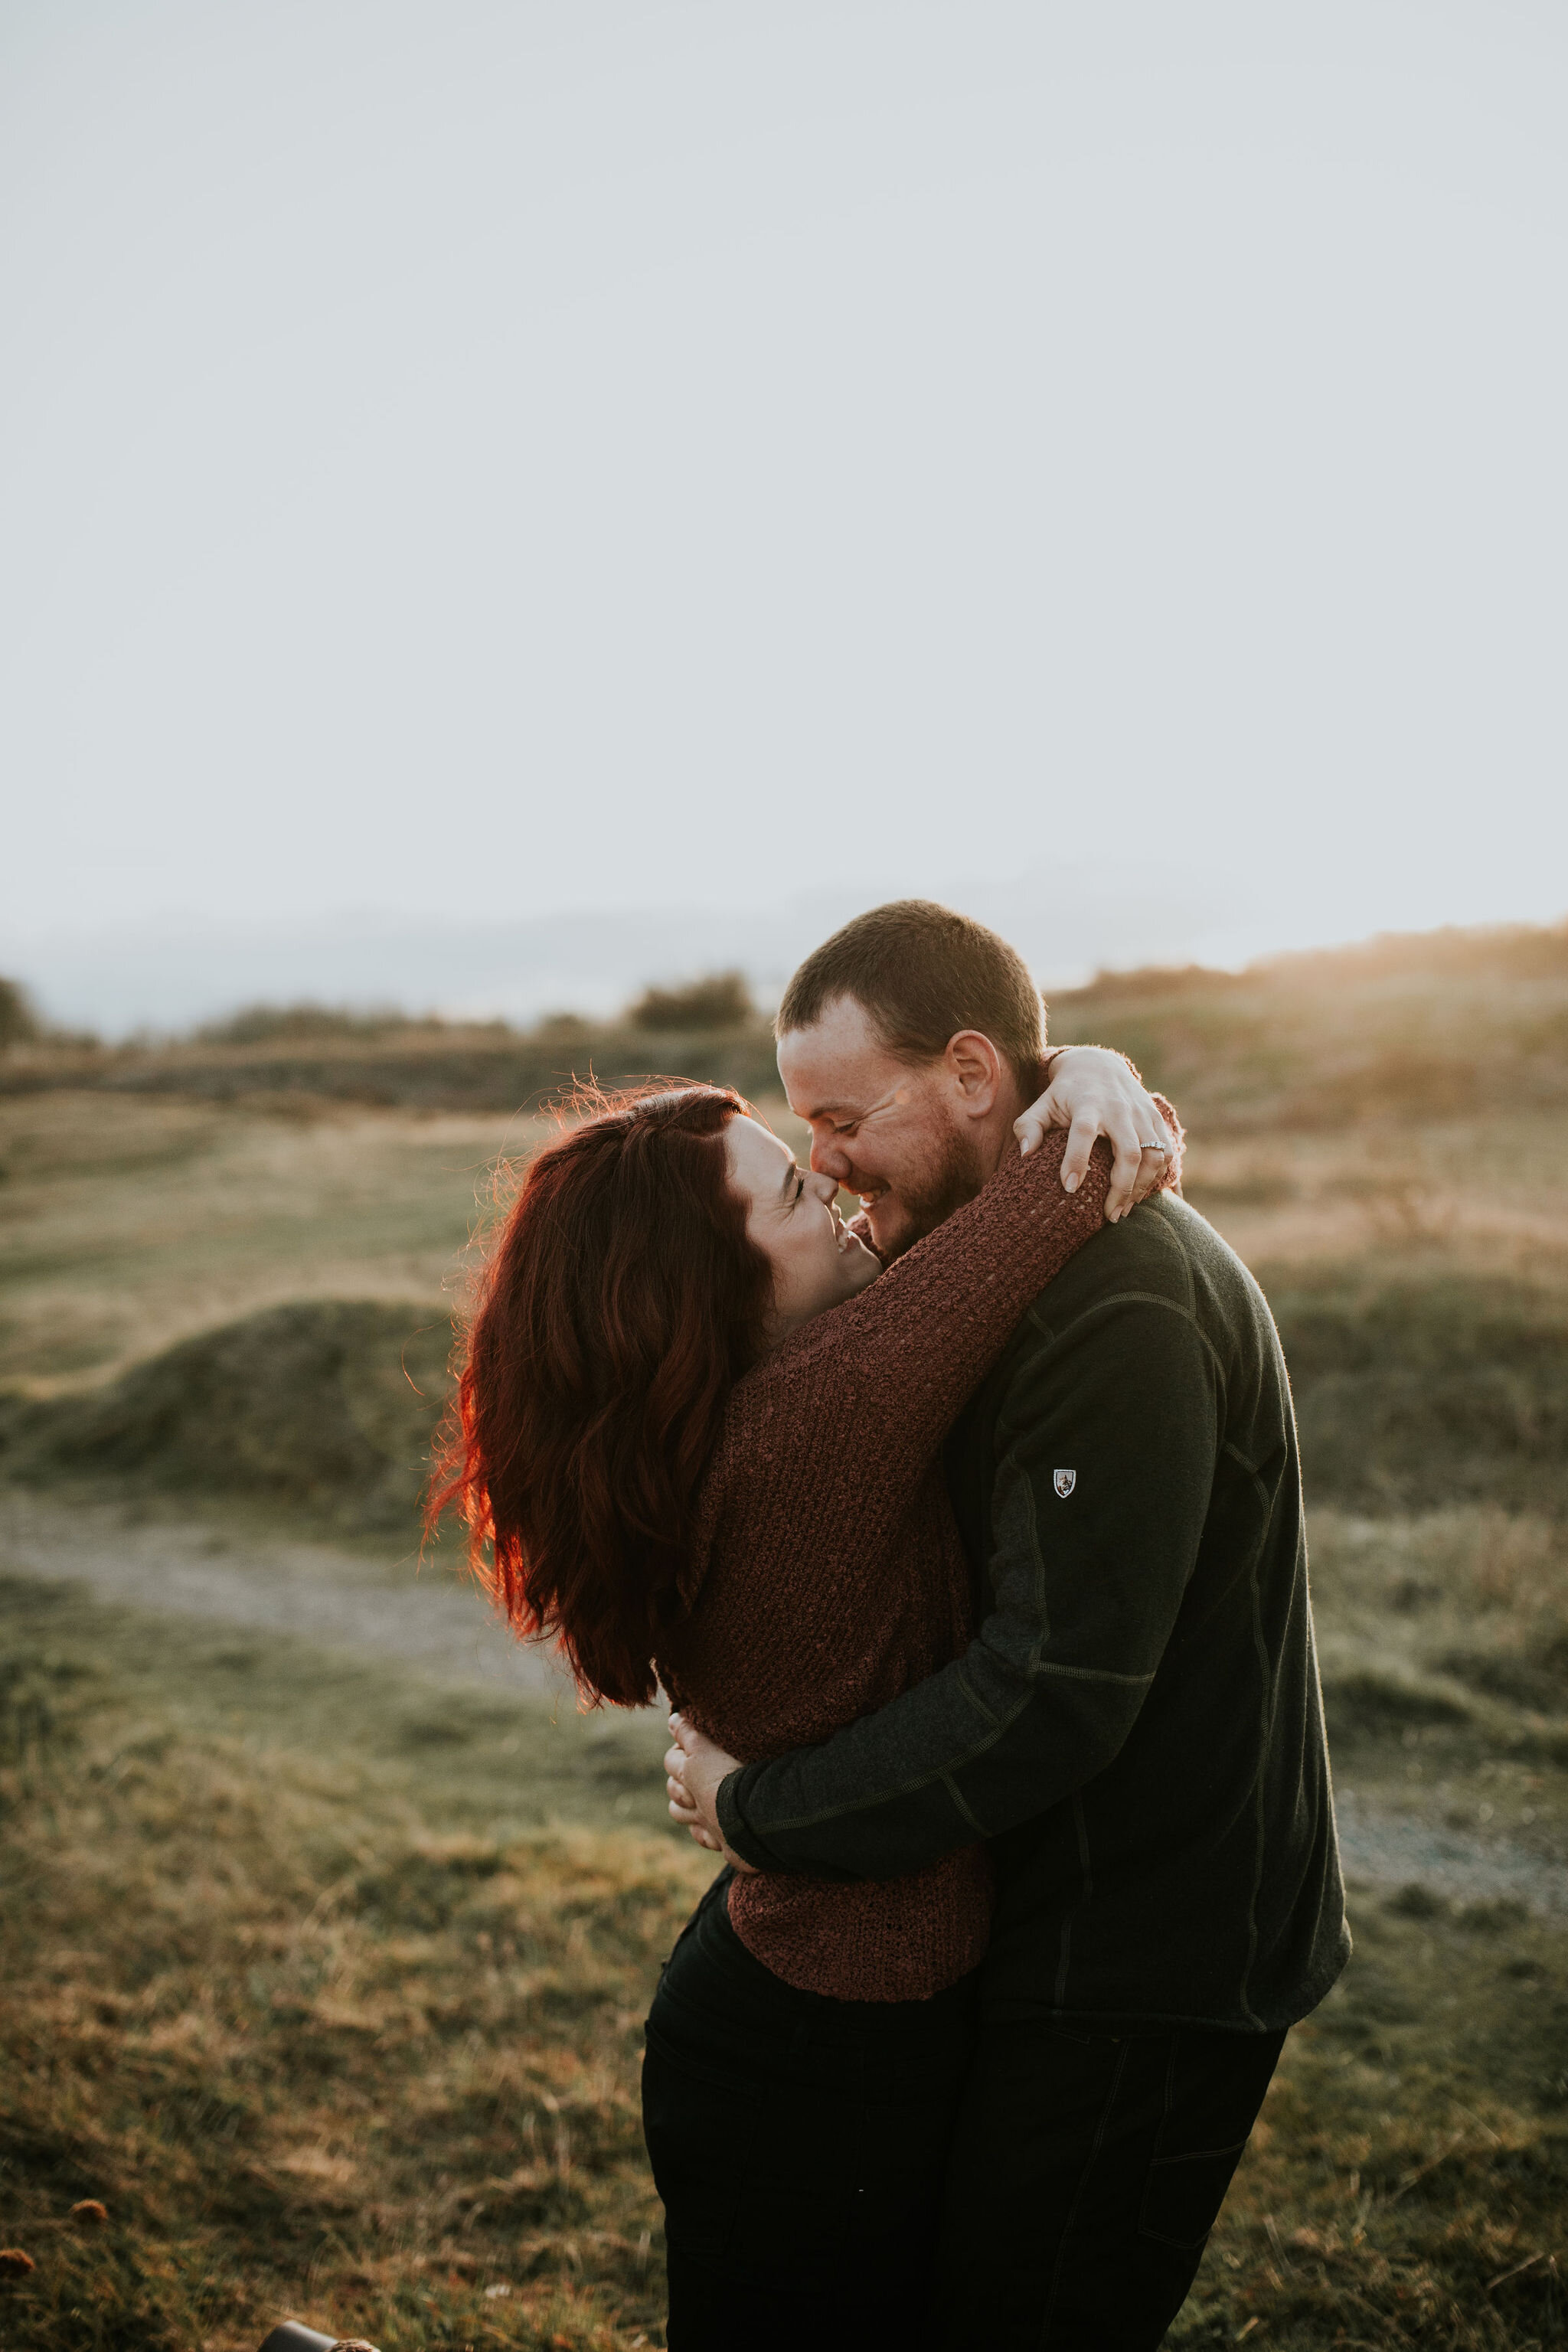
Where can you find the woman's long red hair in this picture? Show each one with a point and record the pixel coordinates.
(621, 1303)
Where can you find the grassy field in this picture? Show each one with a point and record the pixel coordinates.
(324, 1978)
(129, 1223)
(327, 1984)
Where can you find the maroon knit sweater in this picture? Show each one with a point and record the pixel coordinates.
(826, 1573)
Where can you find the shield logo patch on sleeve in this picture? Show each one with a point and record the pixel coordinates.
(1064, 1481)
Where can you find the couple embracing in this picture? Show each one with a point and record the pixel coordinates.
(966, 1541)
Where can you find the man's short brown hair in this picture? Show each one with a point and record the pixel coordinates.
(923, 973)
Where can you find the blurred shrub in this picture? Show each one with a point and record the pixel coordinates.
(19, 1022)
(269, 1025)
(722, 1001)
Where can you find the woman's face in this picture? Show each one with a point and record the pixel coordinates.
(793, 1217)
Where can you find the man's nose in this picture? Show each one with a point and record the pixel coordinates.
(828, 1158)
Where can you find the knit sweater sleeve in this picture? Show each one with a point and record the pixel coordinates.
(924, 1333)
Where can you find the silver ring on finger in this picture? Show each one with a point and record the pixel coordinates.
(1163, 1148)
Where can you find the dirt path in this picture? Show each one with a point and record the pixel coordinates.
(336, 1600)
(339, 1600)
(1385, 1846)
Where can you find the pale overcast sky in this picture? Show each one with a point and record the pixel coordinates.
(490, 459)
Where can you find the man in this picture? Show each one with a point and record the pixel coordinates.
(1136, 1726)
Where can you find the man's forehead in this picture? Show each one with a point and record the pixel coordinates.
(838, 1067)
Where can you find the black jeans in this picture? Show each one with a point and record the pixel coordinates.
(1087, 2172)
(799, 2144)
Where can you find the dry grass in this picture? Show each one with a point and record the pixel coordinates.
(126, 1225)
(328, 1989)
(301, 1986)
(1412, 1198)
(1472, 1594)
(1408, 2180)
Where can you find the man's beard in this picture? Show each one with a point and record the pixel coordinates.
(955, 1175)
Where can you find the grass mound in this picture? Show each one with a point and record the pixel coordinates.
(1422, 1393)
(1409, 1397)
(324, 1403)
(1455, 1616)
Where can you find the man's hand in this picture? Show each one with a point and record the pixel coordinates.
(1094, 1092)
(693, 1769)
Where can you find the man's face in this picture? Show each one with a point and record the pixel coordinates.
(884, 1129)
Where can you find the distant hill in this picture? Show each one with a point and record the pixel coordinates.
(1422, 1026)
(419, 1065)
(1426, 1025)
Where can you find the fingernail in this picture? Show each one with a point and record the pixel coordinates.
(1069, 1184)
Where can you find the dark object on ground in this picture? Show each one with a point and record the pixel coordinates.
(14, 2264)
(291, 2337)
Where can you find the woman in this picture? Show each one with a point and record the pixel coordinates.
(699, 1429)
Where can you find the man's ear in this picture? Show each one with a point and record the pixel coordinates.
(976, 1069)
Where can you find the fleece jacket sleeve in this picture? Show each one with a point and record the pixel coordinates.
(1107, 1442)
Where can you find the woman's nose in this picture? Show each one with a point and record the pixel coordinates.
(826, 1187)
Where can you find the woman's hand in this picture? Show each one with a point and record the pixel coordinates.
(1093, 1092)
(694, 1768)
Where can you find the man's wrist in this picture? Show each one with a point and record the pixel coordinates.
(732, 1825)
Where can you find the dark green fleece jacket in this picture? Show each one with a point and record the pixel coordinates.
(1137, 1727)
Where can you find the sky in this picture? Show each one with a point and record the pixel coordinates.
(650, 474)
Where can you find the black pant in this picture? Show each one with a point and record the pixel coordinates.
(799, 2144)
(1087, 2172)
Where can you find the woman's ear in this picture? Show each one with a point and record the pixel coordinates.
(975, 1069)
